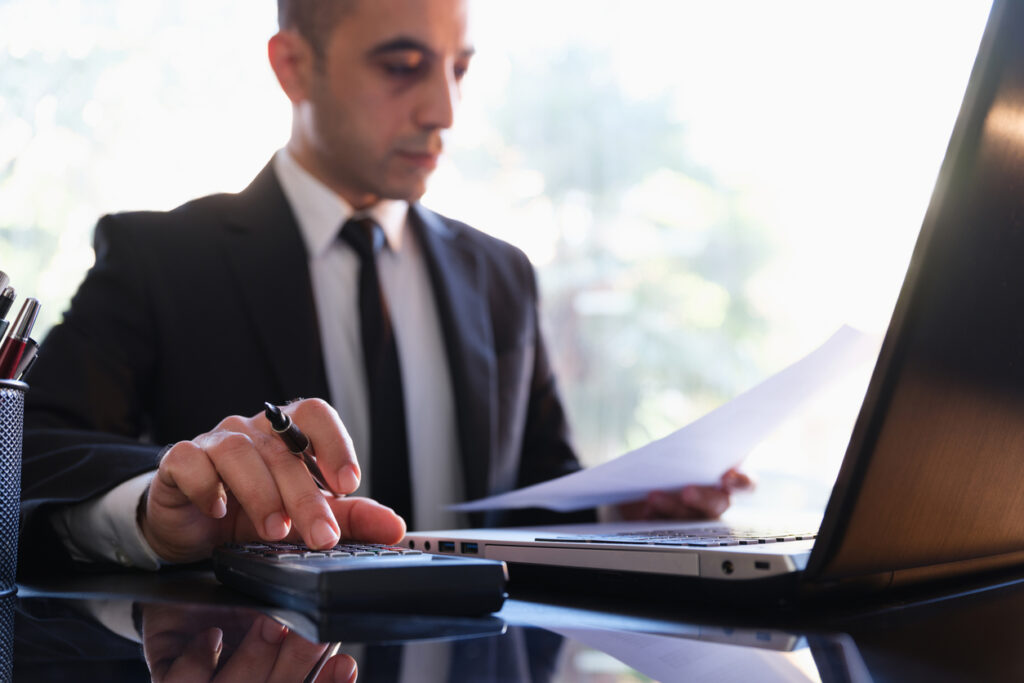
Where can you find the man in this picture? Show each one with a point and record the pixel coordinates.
(232, 300)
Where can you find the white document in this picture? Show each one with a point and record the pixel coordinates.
(703, 450)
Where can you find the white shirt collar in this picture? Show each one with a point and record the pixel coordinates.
(321, 213)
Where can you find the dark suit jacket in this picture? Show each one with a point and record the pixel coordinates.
(206, 311)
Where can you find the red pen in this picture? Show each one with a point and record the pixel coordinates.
(28, 359)
(14, 346)
(6, 301)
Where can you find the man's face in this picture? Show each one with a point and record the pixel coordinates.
(387, 87)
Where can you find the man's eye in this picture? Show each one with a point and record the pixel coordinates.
(400, 69)
(405, 67)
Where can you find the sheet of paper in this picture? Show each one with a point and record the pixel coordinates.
(700, 452)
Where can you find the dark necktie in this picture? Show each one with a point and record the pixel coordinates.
(389, 452)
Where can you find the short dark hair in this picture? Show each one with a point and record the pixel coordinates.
(314, 20)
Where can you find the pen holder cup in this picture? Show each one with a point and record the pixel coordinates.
(12, 420)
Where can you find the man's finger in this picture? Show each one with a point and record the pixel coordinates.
(690, 502)
(254, 659)
(335, 453)
(734, 480)
(669, 505)
(189, 478)
(304, 503)
(240, 463)
(366, 520)
(296, 656)
(339, 669)
(710, 501)
(197, 661)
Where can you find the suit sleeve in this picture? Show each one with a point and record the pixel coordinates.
(85, 409)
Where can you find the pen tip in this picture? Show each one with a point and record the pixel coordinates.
(275, 415)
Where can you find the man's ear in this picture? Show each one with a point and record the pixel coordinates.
(292, 59)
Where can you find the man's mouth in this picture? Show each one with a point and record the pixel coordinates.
(427, 160)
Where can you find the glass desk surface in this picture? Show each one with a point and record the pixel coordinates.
(183, 626)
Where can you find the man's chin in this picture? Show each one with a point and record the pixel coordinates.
(405, 192)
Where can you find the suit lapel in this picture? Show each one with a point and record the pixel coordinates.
(267, 257)
(455, 273)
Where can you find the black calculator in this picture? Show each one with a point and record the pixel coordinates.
(360, 577)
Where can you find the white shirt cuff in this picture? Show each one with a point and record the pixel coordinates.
(116, 615)
(104, 528)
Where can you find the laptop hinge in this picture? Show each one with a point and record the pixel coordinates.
(900, 578)
(906, 577)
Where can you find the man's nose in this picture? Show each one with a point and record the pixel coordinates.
(440, 98)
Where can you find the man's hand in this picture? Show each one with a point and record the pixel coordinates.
(191, 644)
(240, 483)
(689, 502)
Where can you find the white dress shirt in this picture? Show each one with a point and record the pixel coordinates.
(104, 528)
(435, 466)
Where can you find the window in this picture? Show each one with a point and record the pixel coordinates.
(708, 190)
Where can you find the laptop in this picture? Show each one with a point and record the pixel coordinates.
(932, 482)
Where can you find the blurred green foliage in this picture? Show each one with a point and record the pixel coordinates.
(646, 306)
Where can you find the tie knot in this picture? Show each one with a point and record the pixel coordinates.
(365, 236)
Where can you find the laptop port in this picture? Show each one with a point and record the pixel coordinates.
(470, 548)
(446, 546)
(727, 567)
(762, 564)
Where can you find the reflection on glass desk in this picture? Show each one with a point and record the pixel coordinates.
(182, 626)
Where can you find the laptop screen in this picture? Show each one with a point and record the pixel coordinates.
(935, 469)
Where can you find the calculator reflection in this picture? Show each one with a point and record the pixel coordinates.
(192, 643)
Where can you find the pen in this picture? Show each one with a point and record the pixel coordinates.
(14, 346)
(331, 651)
(7, 296)
(28, 359)
(297, 442)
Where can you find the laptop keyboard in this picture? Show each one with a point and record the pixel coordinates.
(704, 537)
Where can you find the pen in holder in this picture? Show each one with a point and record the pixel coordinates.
(12, 419)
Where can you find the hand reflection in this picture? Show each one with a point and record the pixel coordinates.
(233, 645)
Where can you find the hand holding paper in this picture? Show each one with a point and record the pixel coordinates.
(700, 452)
(690, 502)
